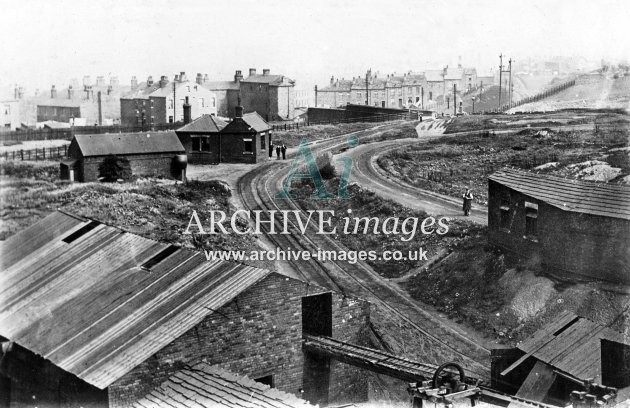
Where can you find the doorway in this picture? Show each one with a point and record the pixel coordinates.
(317, 315)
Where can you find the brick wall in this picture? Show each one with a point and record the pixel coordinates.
(159, 165)
(257, 334)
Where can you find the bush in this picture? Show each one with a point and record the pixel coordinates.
(326, 166)
(114, 168)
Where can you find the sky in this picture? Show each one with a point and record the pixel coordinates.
(51, 41)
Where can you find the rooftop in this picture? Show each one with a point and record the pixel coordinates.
(204, 124)
(128, 143)
(607, 200)
(274, 80)
(256, 122)
(203, 385)
(571, 344)
(97, 301)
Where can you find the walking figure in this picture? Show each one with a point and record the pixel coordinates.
(468, 197)
(278, 152)
(270, 150)
(284, 152)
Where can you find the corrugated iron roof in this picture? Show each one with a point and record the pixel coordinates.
(204, 124)
(128, 143)
(203, 385)
(588, 197)
(92, 309)
(571, 344)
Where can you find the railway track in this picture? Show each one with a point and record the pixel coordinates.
(257, 189)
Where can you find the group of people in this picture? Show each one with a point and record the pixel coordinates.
(280, 149)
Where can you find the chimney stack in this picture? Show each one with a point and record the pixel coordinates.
(199, 78)
(100, 81)
(53, 92)
(163, 81)
(266, 71)
(187, 115)
(238, 76)
(100, 109)
(134, 83)
(176, 78)
(149, 81)
(205, 78)
(182, 77)
(70, 92)
(113, 81)
(332, 80)
(252, 71)
(238, 109)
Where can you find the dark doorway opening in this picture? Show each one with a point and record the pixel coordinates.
(615, 364)
(267, 380)
(317, 315)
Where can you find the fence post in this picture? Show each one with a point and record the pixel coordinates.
(44, 152)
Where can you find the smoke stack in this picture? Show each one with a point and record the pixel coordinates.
(186, 112)
(199, 79)
(266, 71)
(238, 76)
(134, 83)
(149, 81)
(252, 71)
(163, 81)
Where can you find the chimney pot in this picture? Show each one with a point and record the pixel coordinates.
(238, 76)
(252, 71)
(149, 81)
(266, 71)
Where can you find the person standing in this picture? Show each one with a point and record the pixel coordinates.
(468, 197)
(270, 150)
(284, 152)
(278, 152)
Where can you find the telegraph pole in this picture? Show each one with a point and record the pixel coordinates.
(510, 88)
(367, 92)
(316, 96)
(500, 78)
(454, 99)
(422, 96)
(174, 102)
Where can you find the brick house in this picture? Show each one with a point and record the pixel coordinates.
(149, 154)
(161, 102)
(201, 139)
(227, 94)
(150, 311)
(577, 229)
(246, 139)
(271, 96)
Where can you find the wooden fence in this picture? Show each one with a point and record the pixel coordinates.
(369, 119)
(67, 134)
(44, 153)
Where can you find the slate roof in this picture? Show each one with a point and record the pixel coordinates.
(571, 344)
(128, 143)
(203, 385)
(273, 80)
(222, 85)
(204, 124)
(97, 301)
(256, 122)
(608, 200)
(434, 75)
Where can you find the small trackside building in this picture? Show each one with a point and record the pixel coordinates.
(200, 138)
(245, 139)
(578, 230)
(149, 154)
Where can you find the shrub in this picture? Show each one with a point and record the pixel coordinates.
(114, 168)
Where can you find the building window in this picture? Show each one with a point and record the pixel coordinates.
(170, 104)
(248, 146)
(267, 380)
(505, 215)
(200, 144)
(531, 220)
(262, 141)
(430, 96)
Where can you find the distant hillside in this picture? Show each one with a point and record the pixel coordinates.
(590, 91)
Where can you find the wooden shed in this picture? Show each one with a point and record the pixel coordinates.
(158, 154)
(579, 230)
